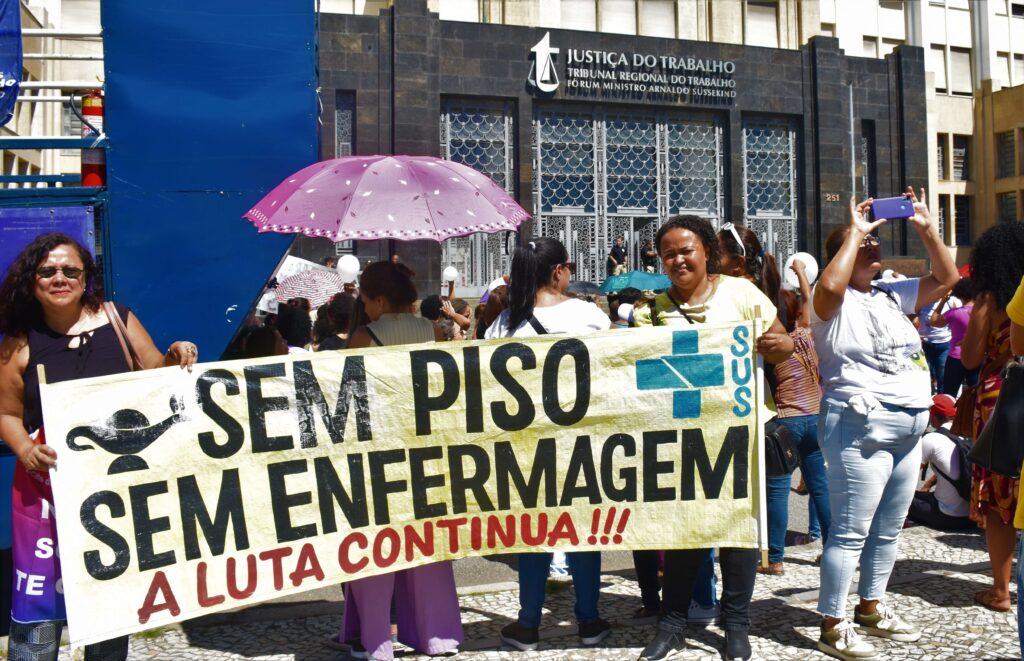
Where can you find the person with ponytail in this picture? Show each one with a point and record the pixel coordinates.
(538, 295)
(538, 304)
(742, 256)
(793, 383)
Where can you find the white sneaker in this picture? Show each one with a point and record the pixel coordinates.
(844, 642)
(884, 623)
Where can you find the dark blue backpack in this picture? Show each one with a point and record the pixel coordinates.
(963, 483)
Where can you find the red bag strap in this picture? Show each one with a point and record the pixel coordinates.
(116, 323)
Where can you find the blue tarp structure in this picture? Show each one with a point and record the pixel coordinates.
(209, 105)
(10, 57)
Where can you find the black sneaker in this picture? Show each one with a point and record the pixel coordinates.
(522, 638)
(665, 645)
(737, 645)
(594, 632)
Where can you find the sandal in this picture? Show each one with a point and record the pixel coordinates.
(984, 598)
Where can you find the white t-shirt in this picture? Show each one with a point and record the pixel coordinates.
(570, 317)
(935, 334)
(938, 450)
(870, 350)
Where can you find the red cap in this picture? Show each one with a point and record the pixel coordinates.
(944, 405)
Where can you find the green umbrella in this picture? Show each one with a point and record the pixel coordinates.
(636, 279)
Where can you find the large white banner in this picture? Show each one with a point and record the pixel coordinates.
(179, 494)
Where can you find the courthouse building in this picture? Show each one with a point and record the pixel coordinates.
(601, 135)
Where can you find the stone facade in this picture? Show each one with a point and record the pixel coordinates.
(401, 65)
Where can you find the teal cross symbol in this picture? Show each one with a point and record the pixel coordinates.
(685, 371)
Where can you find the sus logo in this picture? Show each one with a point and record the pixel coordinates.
(685, 371)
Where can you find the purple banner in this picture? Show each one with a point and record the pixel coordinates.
(37, 594)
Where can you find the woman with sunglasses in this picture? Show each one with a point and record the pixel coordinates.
(51, 315)
(538, 304)
(877, 391)
(700, 294)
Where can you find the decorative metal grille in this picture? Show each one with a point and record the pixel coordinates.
(1006, 153)
(631, 163)
(567, 161)
(940, 156)
(344, 143)
(695, 167)
(482, 138)
(579, 236)
(599, 176)
(769, 185)
(961, 156)
(1007, 207)
(344, 120)
(962, 219)
(943, 214)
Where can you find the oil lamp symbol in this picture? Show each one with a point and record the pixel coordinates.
(127, 432)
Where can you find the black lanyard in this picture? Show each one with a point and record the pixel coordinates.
(678, 307)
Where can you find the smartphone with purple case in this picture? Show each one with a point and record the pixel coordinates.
(892, 208)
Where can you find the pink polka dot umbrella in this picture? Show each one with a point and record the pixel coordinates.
(387, 197)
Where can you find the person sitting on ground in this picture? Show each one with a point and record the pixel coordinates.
(948, 506)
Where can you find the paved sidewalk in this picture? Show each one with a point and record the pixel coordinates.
(933, 584)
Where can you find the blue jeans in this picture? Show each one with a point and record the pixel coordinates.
(873, 463)
(956, 375)
(804, 429)
(704, 585)
(936, 353)
(585, 567)
(813, 525)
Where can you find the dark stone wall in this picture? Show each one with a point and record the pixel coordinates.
(403, 62)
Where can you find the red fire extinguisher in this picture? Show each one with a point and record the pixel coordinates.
(94, 161)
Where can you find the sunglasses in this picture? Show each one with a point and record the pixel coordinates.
(571, 266)
(70, 272)
(870, 241)
(736, 235)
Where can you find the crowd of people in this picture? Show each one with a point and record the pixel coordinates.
(864, 373)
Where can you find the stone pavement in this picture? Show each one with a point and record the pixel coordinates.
(933, 583)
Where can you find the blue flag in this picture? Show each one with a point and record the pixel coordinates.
(10, 57)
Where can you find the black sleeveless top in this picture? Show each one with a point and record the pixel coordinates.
(98, 354)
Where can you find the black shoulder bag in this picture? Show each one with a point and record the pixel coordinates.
(1000, 445)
